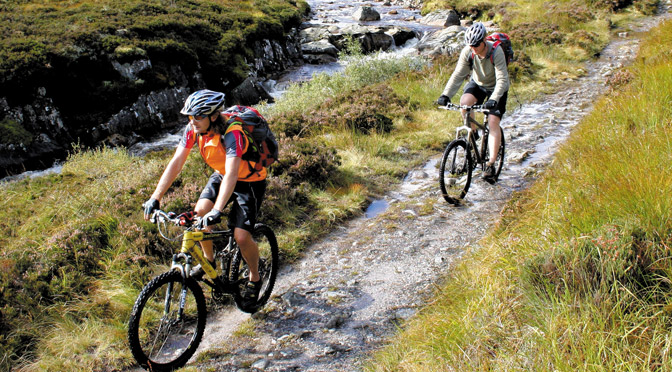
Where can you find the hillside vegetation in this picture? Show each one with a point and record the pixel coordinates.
(75, 250)
(577, 276)
(66, 52)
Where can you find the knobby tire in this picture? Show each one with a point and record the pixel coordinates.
(499, 162)
(455, 171)
(149, 322)
(268, 267)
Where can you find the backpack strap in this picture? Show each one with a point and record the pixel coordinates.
(236, 124)
(491, 54)
(492, 51)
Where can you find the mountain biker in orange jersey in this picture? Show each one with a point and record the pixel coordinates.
(489, 79)
(234, 180)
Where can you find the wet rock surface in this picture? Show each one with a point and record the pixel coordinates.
(354, 288)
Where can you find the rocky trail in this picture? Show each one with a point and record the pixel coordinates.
(356, 286)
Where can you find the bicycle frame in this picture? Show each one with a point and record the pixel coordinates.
(189, 251)
(468, 121)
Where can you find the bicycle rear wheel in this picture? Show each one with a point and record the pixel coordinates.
(167, 322)
(455, 171)
(268, 267)
(499, 162)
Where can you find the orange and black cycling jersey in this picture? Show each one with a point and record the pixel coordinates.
(214, 152)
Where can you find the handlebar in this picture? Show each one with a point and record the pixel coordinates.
(186, 219)
(454, 107)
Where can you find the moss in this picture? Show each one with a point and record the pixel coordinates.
(12, 132)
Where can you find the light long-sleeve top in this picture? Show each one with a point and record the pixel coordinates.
(493, 77)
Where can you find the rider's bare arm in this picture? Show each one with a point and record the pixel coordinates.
(173, 168)
(229, 180)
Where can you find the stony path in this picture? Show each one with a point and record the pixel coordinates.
(355, 286)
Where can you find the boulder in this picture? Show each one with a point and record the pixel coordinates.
(366, 13)
(249, 92)
(442, 18)
(318, 52)
(371, 38)
(446, 41)
(313, 33)
(401, 35)
(319, 47)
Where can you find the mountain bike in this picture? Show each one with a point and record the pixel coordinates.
(168, 319)
(466, 153)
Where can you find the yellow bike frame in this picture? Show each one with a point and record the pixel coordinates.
(189, 246)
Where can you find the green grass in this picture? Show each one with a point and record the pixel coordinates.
(68, 48)
(577, 274)
(76, 251)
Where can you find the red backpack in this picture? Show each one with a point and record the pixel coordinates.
(497, 39)
(263, 148)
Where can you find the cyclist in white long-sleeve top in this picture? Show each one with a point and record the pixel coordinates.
(489, 83)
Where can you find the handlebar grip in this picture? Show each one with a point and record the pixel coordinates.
(186, 218)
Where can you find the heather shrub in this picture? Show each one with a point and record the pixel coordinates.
(609, 257)
(304, 160)
(522, 66)
(281, 196)
(366, 110)
(529, 33)
(586, 40)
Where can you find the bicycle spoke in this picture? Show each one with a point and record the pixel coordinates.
(455, 172)
(167, 322)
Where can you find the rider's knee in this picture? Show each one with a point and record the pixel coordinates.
(468, 99)
(203, 206)
(242, 236)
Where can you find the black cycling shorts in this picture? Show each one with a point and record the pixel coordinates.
(246, 198)
(482, 94)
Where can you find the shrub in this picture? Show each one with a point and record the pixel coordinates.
(305, 161)
(33, 279)
(522, 66)
(369, 109)
(536, 33)
(283, 202)
(586, 40)
(619, 79)
(612, 257)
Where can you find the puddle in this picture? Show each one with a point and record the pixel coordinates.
(412, 182)
(377, 207)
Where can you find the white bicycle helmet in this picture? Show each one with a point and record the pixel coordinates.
(475, 34)
(203, 102)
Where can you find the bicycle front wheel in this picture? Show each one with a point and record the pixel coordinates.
(167, 322)
(268, 267)
(455, 171)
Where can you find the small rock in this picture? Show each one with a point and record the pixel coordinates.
(260, 364)
(366, 13)
(336, 321)
(292, 298)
